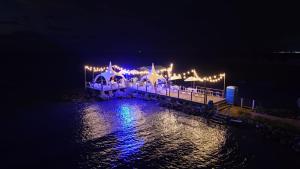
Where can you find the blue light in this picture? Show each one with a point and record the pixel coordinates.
(127, 116)
(128, 142)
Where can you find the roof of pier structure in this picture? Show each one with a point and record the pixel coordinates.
(109, 73)
(153, 76)
(155, 73)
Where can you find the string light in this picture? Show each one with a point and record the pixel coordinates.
(136, 72)
(211, 79)
(95, 69)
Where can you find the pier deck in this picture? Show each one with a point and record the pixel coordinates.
(182, 94)
(194, 96)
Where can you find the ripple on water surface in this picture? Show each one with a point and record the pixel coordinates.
(136, 133)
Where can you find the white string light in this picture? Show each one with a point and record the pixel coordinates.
(211, 79)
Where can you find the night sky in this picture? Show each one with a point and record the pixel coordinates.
(44, 44)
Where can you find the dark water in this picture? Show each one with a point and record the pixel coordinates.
(132, 134)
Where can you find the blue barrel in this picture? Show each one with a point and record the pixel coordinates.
(231, 94)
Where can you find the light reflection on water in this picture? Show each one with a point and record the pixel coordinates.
(136, 133)
(128, 142)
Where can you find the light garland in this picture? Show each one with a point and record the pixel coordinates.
(95, 69)
(130, 72)
(212, 79)
(136, 72)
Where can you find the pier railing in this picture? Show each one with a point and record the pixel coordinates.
(101, 87)
(246, 103)
(201, 95)
(209, 91)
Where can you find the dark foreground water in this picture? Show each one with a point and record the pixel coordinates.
(132, 134)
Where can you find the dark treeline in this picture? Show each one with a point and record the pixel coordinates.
(34, 68)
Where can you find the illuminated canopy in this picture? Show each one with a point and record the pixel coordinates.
(108, 74)
(153, 77)
(191, 79)
(175, 77)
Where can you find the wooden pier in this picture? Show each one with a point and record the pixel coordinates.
(200, 95)
(195, 101)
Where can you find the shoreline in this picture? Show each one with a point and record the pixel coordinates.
(283, 130)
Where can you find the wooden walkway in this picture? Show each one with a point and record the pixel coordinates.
(194, 96)
(180, 94)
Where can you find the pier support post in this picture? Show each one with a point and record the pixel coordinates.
(93, 73)
(178, 93)
(85, 77)
(224, 88)
(242, 102)
(192, 96)
(166, 92)
(205, 96)
(253, 104)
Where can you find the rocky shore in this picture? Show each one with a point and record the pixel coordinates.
(286, 135)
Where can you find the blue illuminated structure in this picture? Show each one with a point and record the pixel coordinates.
(231, 94)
